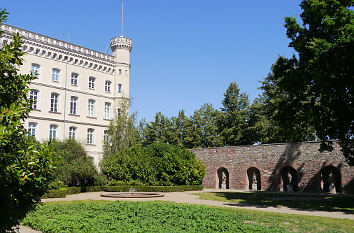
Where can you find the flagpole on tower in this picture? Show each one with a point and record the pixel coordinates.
(122, 15)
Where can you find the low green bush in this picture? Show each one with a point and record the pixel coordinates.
(74, 168)
(158, 164)
(62, 192)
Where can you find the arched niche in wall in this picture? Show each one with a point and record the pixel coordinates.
(331, 180)
(289, 179)
(254, 179)
(223, 178)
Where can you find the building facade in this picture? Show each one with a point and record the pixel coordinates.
(77, 91)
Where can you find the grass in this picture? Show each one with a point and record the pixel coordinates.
(104, 216)
(342, 203)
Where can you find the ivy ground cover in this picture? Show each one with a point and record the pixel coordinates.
(102, 216)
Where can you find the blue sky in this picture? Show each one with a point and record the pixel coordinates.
(185, 52)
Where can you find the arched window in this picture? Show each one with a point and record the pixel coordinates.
(223, 178)
(289, 178)
(331, 180)
(254, 179)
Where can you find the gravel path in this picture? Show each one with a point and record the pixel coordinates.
(187, 198)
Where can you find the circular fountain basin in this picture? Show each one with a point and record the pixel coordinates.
(132, 195)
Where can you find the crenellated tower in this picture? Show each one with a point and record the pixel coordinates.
(121, 48)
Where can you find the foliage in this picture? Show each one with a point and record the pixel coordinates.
(288, 123)
(233, 120)
(121, 133)
(160, 130)
(62, 192)
(25, 166)
(205, 123)
(237, 123)
(158, 164)
(315, 89)
(103, 216)
(198, 130)
(73, 166)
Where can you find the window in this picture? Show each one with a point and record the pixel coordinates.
(55, 75)
(54, 102)
(126, 73)
(91, 108)
(91, 82)
(107, 111)
(34, 98)
(105, 136)
(119, 88)
(119, 112)
(35, 70)
(32, 129)
(90, 133)
(107, 86)
(73, 105)
(52, 132)
(74, 79)
(120, 71)
(72, 133)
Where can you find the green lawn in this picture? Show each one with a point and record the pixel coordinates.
(104, 216)
(301, 201)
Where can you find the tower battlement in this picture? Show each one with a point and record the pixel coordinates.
(121, 43)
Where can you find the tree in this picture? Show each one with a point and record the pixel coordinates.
(25, 165)
(259, 128)
(319, 84)
(286, 123)
(122, 132)
(161, 129)
(234, 115)
(205, 121)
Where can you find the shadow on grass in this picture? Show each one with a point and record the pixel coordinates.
(309, 202)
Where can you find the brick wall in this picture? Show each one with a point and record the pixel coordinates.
(270, 159)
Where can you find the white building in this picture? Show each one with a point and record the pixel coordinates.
(78, 90)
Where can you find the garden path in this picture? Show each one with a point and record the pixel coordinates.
(187, 198)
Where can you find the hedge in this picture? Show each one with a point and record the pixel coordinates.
(123, 188)
(62, 192)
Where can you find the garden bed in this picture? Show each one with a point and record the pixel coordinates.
(104, 216)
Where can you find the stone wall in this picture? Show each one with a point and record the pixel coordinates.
(308, 164)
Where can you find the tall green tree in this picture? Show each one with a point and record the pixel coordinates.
(205, 120)
(287, 123)
(122, 132)
(319, 87)
(25, 165)
(259, 127)
(160, 130)
(234, 115)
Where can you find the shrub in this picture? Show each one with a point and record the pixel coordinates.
(62, 192)
(74, 167)
(158, 164)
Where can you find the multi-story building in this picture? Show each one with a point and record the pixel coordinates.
(78, 90)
